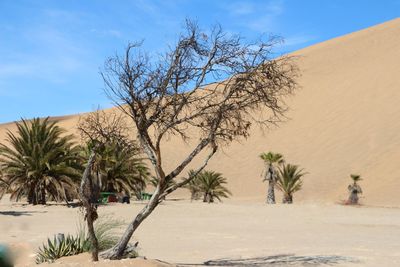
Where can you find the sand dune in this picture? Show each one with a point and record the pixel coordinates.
(343, 120)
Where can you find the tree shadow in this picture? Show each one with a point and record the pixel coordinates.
(277, 260)
(19, 213)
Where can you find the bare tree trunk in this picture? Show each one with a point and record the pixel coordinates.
(85, 192)
(121, 248)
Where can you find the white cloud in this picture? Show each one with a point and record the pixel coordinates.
(240, 8)
(259, 16)
(298, 40)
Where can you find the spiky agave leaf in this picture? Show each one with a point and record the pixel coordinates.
(57, 248)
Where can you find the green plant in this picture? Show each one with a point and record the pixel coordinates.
(40, 163)
(192, 186)
(210, 184)
(61, 246)
(106, 228)
(118, 168)
(289, 181)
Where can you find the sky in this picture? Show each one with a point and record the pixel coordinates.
(52, 51)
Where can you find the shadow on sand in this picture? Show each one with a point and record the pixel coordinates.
(19, 213)
(277, 260)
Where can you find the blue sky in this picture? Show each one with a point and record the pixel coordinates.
(51, 51)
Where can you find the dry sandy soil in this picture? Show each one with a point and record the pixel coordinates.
(188, 234)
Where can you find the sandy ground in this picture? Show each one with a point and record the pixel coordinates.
(187, 233)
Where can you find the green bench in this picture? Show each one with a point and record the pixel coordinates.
(146, 196)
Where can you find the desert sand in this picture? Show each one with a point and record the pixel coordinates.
(343, 120)
(187, 234)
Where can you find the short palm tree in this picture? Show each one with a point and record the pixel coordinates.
(272, 161)
(289, 181)
(118, 168)
(354, 189)
(40, 162)
(210, 184)
(192, 186)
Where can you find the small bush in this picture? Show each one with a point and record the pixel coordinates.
(106, 228)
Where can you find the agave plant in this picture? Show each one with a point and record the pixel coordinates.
(354, 189)
(106, 230)
(40, 162)
(272, 161)
(289, 181)
(210, 184)
(61, 246)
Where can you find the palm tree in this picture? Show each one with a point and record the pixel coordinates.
(354, 189)
(270, 174)
(118, 168)
(289, 181)
(210, 184)
(192, 186)
(41, 161)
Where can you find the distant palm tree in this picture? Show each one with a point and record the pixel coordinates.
(272, 160)
(118, 168)
(354, 189)
(192, 186)
(289, 181)
(210, 184)
(40, 162)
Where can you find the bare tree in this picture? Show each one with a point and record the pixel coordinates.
(214, 83)
(86, 193)
(104, 127)
(98, 129)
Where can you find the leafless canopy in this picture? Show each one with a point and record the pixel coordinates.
(213, 82)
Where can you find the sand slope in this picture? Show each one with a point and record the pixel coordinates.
(344, 120)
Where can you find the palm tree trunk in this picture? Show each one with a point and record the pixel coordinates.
(32, 199)
(353, 198)
(271, 192)
(42, 200)
(287, 199)
(271, 186)
(208, 198)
